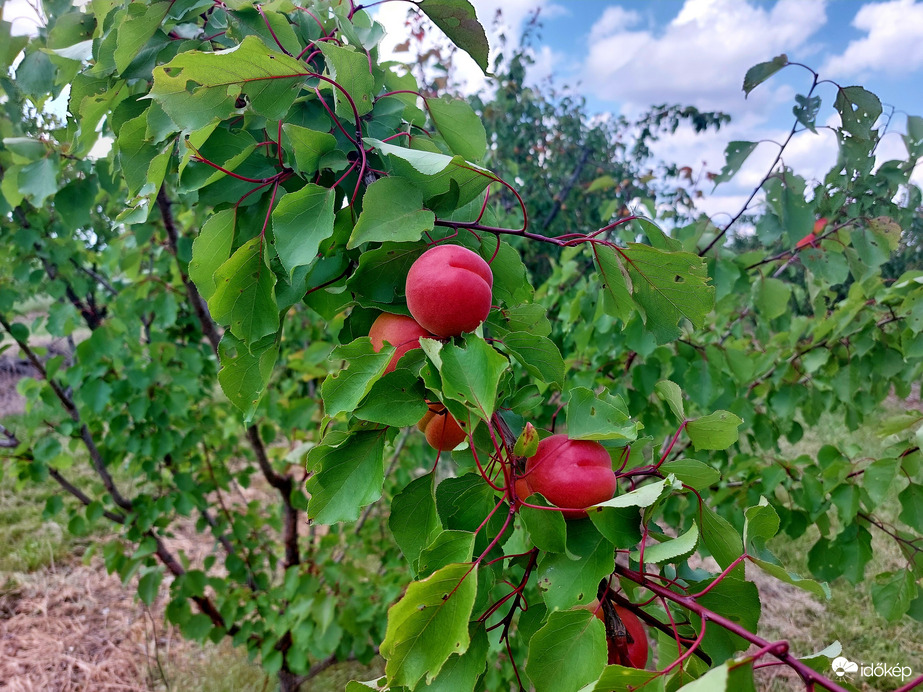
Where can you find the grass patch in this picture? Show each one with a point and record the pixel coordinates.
(29, 541)
(222, 668)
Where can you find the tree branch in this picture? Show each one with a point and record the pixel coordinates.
(198, 303)
(282, 483)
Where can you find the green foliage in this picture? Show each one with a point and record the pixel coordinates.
(266, 194)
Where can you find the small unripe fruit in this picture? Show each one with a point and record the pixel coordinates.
(449, 290)
(400, 331)
(573, 474)
(442, 431)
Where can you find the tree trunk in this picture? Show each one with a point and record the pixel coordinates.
(288, 682)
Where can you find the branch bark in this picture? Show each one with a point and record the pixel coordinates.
(283, 483)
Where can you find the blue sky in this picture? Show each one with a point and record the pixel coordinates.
(627, 55)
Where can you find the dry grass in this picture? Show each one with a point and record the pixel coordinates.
(74, 628)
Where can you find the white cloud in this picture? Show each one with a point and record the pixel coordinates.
(513, 15)
(701, 56)
(614, 19)
(892, 43)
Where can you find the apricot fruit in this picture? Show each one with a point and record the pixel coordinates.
(572, 474)
(400, 331)
(637, 646)
(442, 431)
(449, 290)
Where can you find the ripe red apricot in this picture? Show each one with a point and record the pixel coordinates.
(570, 473)
(811, 238)
(449, 290)
(637, 647)
(442, 431)
(400, 331)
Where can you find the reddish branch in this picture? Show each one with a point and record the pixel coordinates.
(779, 649)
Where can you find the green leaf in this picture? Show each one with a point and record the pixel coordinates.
(211, 249)
(806, 111)
(696, 474)
(39, 180)
(149, 585)
(245, 374)
(911, 499)
(571, 579)
(731, 676)
(621, 679)
(351, 70)
(459, 22)
(413, 520)
(428, 625)
(670, 392)
(74, 201)
(603, 417)
(546, 528)
(669, 286)
(461, 671)
(396, 399)
(347, 477)
(818, 589)
(735, 599)
(470, 375)
(721, 539)
(244, 296)
(446, 548)
(735, 154)
(538, 355)
(392, 210)
(717, 430)
(447, 182)
(309, 147)
(858, 109)
(35, 75)
(459, 126)
(137, 26)
(342, 391)
(196, 88)
(672, 550)
(95, 394)
(620, 525)
(616, 284)
(878, 478)
(382, 272)
(10, 46)
(568, 652)
(217, 145)
(892, 593)
(644, 496)
(758, 74)
(772, 297)
(761, 523)
(300, 222)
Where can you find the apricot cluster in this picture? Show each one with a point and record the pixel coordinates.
(448, 293)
